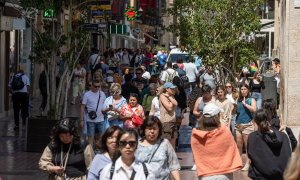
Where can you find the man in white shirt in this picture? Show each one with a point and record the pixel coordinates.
(191, 72)
(168, 74)
(93, 101)
(20, 98)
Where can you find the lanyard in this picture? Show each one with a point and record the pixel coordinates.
(64, 159)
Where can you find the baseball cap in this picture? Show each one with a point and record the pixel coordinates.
(169, 85)
(211, 110)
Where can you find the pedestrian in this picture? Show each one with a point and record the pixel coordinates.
(78, 82)
(92, 103)
(66, 157)
(232, 96)
(202, 101)
(128, 87)
(167, 107)
(270, 159)
(215, 152)
(269, 106)
(19, 85)
(139, 79)
(92, 61)
(127, 166)
(224, 103)
(157, 151)
(246, 106)
(208, 78)
(108, 152)
(147, 100)
(191, 72)
(195, 94)
(155, 110)
(132, 113)
(168, 74)
(112, 106)
(256, 85)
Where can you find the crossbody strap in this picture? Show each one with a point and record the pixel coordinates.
(98, 100)
(153, 153)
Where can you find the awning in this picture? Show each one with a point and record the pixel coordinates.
(267, 26)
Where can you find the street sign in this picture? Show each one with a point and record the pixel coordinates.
(102, 25)
(90, 27)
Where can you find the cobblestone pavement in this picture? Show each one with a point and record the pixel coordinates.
(17, 164)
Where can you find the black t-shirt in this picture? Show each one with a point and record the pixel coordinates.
(127, 89)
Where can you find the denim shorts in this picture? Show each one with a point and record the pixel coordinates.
(94, 128)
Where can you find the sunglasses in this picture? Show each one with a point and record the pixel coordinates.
(138, 73)
(130, 143)
(96, 86)
(228, 86)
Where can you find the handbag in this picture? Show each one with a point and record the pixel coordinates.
(136, 120)
(93, 114)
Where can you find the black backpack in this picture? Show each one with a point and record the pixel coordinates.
(17, 83)
(185, 81)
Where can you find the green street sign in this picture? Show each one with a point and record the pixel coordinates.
(48, 13)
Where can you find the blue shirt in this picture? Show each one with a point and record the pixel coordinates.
(99, 162)
(162, 59)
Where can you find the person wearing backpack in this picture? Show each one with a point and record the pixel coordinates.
(127, 166)
(19, 86)
(168, 74)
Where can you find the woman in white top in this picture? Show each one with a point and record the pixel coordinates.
(127, 167)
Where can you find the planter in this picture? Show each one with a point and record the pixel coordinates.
(38, 133)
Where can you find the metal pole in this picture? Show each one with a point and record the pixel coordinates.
(270, 44)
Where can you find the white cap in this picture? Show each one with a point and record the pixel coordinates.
(211, 110)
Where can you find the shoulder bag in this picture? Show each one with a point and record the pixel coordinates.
(93, 114)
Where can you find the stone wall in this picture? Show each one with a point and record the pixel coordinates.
(290, 62)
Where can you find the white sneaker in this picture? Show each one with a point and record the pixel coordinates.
(246, 167)
(193, 168)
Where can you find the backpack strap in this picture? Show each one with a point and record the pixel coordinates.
(112, 170)
(146, 172)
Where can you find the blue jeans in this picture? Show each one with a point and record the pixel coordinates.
(94, 128)
(257, 96)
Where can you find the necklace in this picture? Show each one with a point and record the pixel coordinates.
(64, 159)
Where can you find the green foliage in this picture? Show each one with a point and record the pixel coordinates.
(213, 29)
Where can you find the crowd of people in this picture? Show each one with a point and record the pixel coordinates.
(131, 108)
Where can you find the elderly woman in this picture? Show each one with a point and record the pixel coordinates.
(214, 159)
(108, 152)
(126, 166)
(246, 106)
(65, 156)
(167, 107)
(147, 100)
(132, 113)
(113, 105)
(157, 152)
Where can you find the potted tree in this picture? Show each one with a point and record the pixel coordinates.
(56, 42)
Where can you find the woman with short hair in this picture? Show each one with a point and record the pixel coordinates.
(156, 151)
(112, 106)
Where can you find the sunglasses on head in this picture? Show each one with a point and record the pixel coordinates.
(130, 143)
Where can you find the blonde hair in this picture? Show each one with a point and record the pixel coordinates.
(116, 87)
(292, 171)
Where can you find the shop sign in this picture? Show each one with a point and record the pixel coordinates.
(6, 23)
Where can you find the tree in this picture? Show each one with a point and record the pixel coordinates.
(50, 43)
(220, 31)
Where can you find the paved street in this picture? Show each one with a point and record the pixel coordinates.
(16, 164)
